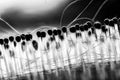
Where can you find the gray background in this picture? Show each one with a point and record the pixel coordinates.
(21, 21)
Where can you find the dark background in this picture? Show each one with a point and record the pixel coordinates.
(21, 22)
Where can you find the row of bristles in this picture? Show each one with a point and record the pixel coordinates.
(64, 30)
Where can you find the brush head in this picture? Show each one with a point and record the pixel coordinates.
(6, 41)
(38, 33)
(28, 37)
(72, 29)
(82, 28)
(55, 32)
(104, 29)
(61, 37)
(50, 32)
(52, 38)
(86, 27)
(111, 23)
(64, 29)
(1, 41)
(11, 38)
(115, 20)
(15, 44)
(6, 46)
(22, 36)
(43, 34)
(89, 33)
(23, 43)
(77, 26)
(18, 38)
(97, 25)
(59, 32)
(35, 44)
(89, 24)
(106, 21)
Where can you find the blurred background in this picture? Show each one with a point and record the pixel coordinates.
(26, 15)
